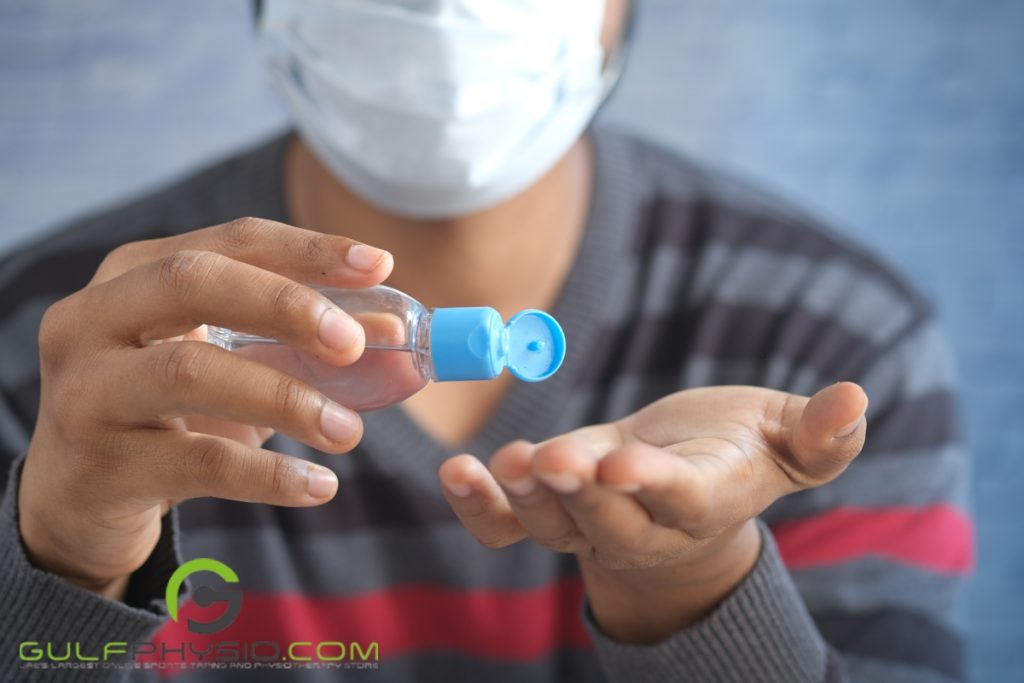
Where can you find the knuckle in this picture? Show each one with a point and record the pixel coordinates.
(276, 475)
(290, 396)
(290, 300)
(206, 462)
(317, 247)
(183, 271)
(182, 365)
(116, 258)
(242, 234)
(53, 331)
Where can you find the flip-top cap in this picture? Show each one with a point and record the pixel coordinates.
(536, 345)
(473, 344)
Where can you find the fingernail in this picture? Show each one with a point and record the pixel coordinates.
(323, 483)
(459, 490)
(849, 429)
(364, 258)
(564, 482)
(521, 487)
(337, 423)
(337, 330)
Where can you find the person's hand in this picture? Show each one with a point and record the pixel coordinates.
(659, 506)
(138, 411)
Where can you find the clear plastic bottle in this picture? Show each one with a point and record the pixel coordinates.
(408, 346)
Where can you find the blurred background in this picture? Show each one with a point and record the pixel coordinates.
(901, 122)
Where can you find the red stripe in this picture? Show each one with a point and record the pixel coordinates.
(939, 538)
(511, 625)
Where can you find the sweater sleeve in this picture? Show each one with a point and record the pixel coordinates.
(858, 580)
(41, 609)
(761, 632)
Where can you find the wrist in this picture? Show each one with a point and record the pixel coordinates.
(49, 544)
(645, 606)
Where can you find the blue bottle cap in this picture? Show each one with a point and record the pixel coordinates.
(536, 345)
(473, 344)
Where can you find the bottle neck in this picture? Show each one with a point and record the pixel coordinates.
(420, 334)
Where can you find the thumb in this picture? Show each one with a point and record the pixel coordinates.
(829, 431)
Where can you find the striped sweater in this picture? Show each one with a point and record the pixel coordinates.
(683, 279)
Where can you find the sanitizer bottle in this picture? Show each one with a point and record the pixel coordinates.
(408, 346)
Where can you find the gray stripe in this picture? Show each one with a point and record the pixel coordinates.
(751, 276)
(872, 583)
(861, 304)
(665, 274)
(921, 363)
(269, 559)
(919, 477)
(621, 296)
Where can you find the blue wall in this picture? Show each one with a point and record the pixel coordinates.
(902, 121)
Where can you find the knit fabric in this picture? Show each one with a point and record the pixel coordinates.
(684, 278)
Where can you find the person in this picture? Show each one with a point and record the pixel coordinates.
(681, 493)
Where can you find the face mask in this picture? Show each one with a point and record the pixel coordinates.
(437, 108)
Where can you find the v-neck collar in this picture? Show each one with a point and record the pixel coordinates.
(397, 443)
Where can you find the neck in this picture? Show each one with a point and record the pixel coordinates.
(512, 256)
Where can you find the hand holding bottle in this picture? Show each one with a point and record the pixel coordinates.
(138, 412)
(407, 346)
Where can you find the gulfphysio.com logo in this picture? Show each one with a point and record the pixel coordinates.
(216, 584)
(205, 595)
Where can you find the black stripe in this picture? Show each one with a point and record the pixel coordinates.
(656, 346)
(896, 635)
(927, 421)
(52, 276)
(23, 401)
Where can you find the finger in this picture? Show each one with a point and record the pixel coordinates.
(302, 255)
(536, 506)
(479, 503)
(169, 297)
(693, 489)
(824, 433)
(178, 379)
(181, 465)
(619, 532)
(237, 431)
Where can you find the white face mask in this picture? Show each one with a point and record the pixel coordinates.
(437, 108)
